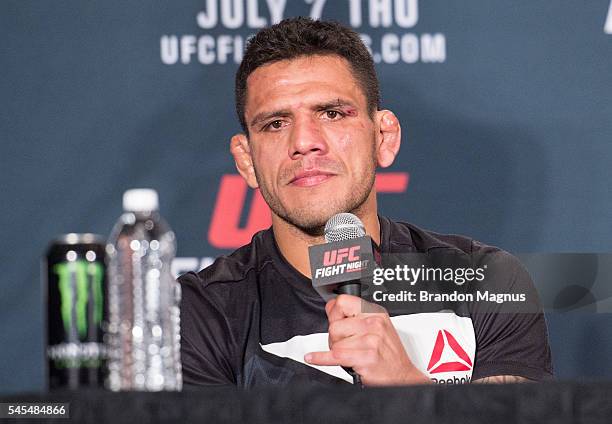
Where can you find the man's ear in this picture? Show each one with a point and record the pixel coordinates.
(239, 147)
(389, 138)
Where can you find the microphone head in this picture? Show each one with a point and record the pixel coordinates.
(343, 226)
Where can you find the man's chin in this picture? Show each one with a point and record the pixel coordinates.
(312, 224)
(313, 231)
(311, 215)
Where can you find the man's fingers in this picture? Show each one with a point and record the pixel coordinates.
(346, 305)
(343, 306)
(363, 342)
(353, 358)
(321, 358)
(347, 327)
(329, 305)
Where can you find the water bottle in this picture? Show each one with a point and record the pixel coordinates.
(143, 336)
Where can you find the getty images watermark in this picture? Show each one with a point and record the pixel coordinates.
(410, 276)
(491, 281)
(441, 279)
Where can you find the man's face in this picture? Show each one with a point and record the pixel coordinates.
(311, 139)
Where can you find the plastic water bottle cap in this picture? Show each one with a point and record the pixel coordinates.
(140, 200)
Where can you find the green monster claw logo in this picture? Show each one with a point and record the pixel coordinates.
(82, 277)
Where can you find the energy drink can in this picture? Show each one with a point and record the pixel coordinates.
(74, 284)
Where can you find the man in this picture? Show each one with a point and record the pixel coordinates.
(308, 101)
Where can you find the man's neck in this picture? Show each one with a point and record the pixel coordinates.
(293, 243)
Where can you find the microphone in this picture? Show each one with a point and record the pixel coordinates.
(340, 265)
(340, 227)
(345, 263)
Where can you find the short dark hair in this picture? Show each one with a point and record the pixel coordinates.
(295, 37)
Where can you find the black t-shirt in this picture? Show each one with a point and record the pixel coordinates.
(249, 318)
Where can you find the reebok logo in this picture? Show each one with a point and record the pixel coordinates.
(447, 355)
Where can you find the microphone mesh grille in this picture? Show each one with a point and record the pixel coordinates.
(343, 226)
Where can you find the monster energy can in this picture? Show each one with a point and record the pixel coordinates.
(74, 273)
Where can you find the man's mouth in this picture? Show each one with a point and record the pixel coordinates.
(310, 178)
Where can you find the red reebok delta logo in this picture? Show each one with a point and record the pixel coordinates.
(462, 360)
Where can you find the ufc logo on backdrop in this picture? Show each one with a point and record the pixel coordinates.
(225, 231)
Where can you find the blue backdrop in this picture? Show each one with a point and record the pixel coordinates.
(505, 107)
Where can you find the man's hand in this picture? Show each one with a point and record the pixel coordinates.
(366, 342)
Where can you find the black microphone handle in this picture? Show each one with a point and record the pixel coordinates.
(350, 287)
(353, 288)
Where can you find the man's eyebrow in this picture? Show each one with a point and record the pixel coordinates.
(333, 103)
(263, 116)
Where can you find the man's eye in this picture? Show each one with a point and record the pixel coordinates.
(275, 125)
(332, 114)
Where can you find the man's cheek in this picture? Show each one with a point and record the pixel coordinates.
(344, 142)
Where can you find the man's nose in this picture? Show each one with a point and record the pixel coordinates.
(306, 138)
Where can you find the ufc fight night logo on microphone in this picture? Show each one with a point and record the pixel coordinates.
(333, 264)
(339, 261)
